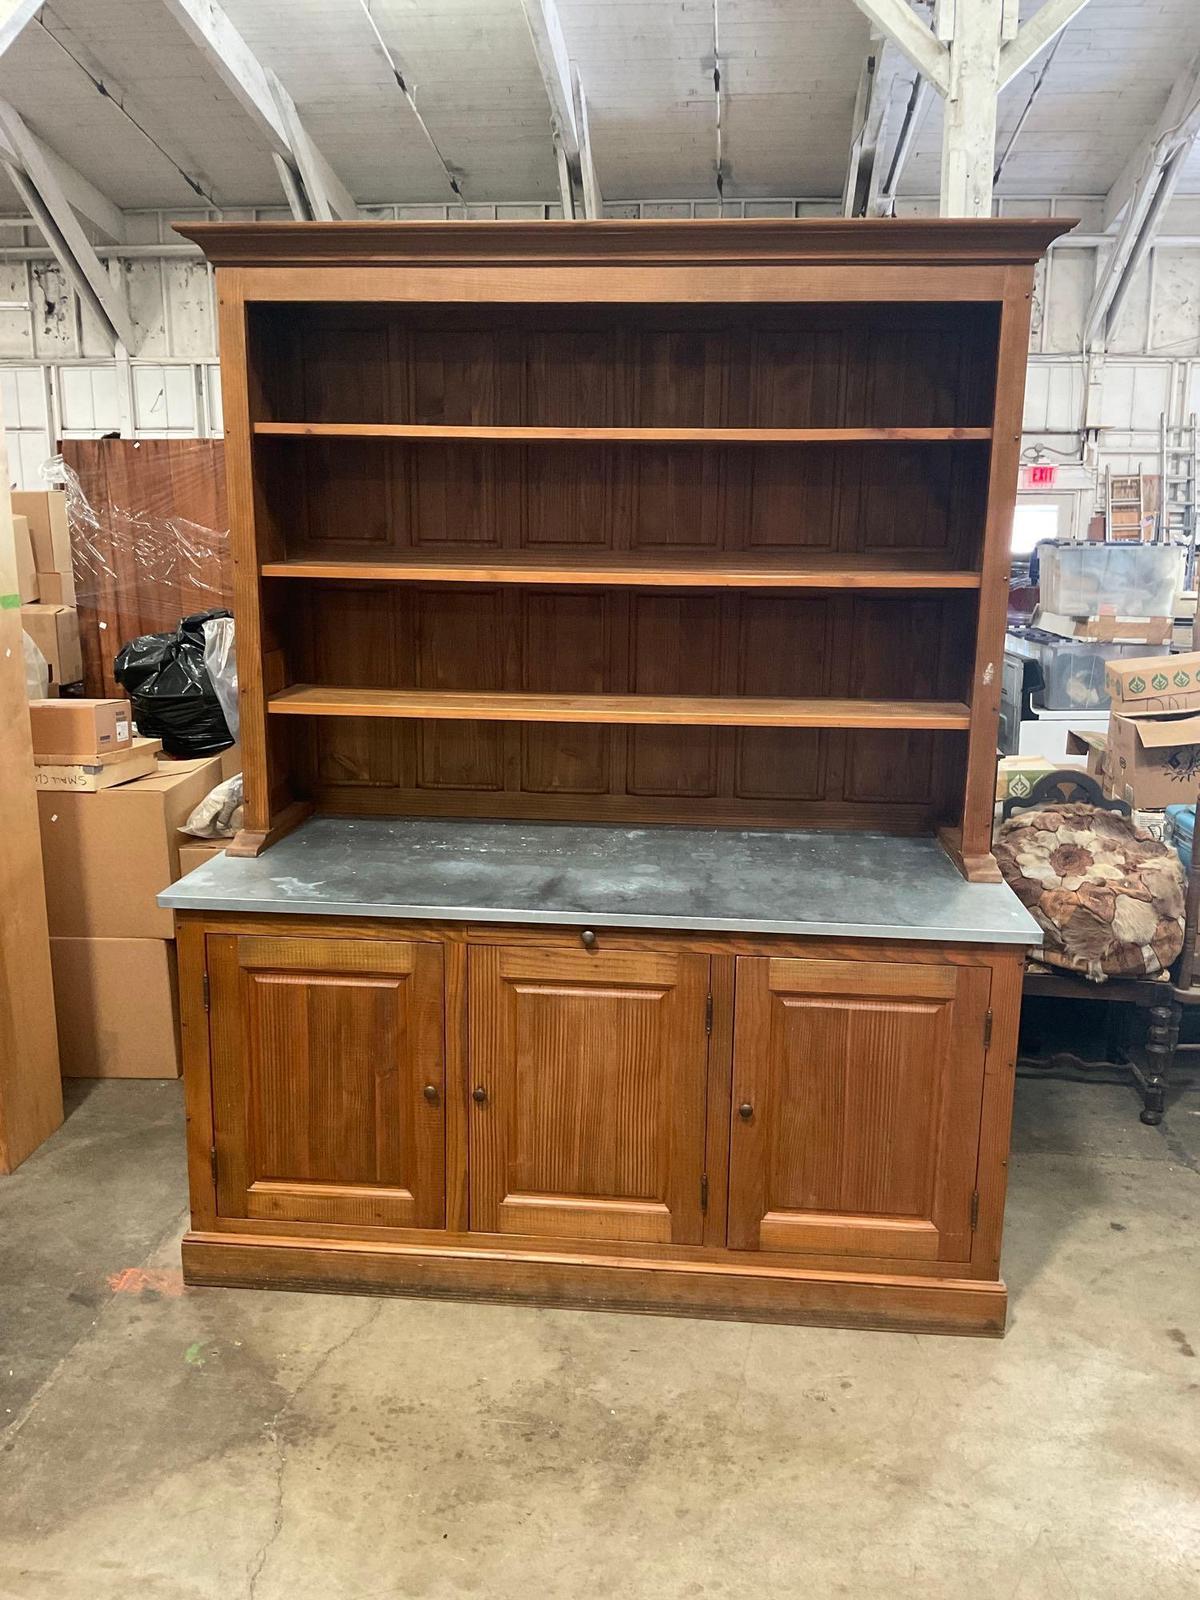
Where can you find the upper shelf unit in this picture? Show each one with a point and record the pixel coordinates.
(716, 373)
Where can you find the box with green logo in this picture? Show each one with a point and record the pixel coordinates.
(1155, 683)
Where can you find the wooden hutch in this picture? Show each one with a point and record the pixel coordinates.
(603, 558)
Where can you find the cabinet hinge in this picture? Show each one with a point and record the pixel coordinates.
(987, 1030)
(212, 1162)
(206, 1002)
(708, 1011)
(704, 1191)
(975, 1210)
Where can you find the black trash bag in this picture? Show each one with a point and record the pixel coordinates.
(173, 696)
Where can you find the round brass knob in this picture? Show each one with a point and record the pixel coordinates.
(430, 1093)
(479, 1095)
(745, 1111)
(588, 939)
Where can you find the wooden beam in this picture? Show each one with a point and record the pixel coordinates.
(593, 204)
(1033, 36)
(883, 67)
(14, 14)
(895, 20)
(566, 187)
(1161, 167)
(328, 198)
(881, 201)
(264, 100)
(550, 48)
(51, 210)
(238, 68)
(862, 101)
(1164, 192)
(87, 200)
(969, 121)
(1154, 149)
(289, 182)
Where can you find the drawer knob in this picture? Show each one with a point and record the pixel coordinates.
(588, 939)
(745, 1111)
(479, 1095)
(430, 1093)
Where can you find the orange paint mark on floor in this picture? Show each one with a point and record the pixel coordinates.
(140, 1280)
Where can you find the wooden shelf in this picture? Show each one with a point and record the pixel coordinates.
(661, 710)
(415, 431)
(632, 571)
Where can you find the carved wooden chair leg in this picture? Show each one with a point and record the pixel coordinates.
(1161, 1042)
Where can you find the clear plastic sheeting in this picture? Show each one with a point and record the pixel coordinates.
(149, 539)
(220, 658)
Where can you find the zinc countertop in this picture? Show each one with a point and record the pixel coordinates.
(727, 880)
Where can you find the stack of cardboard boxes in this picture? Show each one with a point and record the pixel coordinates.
(1151, 757)
(46, 582)
(111, 807)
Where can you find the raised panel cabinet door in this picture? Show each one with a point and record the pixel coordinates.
(328, 1080)
(588, 1072)
(857, 1093)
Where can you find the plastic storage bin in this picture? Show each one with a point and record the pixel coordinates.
(1072, 669)
(1125, 580)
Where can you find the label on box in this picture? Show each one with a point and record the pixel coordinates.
(122, 729)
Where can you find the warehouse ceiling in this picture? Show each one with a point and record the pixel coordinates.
(163, 130)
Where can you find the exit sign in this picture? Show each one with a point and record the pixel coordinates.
(1040, 477)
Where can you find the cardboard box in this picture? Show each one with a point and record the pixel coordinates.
(1153, 759)
(1154, 683)
(105, 772)
(107, 855)
(78, 730)
(195, 853)
(1017, 775)
(1092, 745)
(1107, 630)
(27, 585)
(51, 590)
(45, 510)
(55, 631)
(116, 1006)
(231, 763)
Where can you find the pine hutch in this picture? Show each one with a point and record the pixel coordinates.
(620, 613)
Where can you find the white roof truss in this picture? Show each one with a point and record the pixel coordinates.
(50, 208)
(86, 199)
(266, 102)
(550, 48)
(1159, 166)
(14, 14)
(885, 68)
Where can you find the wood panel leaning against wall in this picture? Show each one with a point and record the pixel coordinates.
(150, 537)
(30, 1086)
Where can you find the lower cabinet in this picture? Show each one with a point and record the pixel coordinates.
(588, 1076)
(328, 1079)
(832, 1111)
(857, 1090)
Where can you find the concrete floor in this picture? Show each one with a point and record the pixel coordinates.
(184, 1445)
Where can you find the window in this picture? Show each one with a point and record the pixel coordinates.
(1032, 524)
